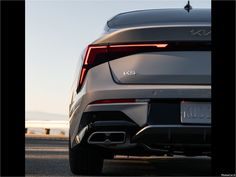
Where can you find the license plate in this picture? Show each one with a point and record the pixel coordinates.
(196, 112)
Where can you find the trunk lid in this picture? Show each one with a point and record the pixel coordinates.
(171, 67)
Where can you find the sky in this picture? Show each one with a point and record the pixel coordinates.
(57, 32)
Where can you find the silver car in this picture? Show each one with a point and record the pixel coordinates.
(144, 88)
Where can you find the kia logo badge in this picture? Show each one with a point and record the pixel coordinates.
(200, 32)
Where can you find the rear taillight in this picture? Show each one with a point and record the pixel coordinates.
(93, 53)
(117, 51)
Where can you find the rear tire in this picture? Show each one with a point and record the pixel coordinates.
(85, 160)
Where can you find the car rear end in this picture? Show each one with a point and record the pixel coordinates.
(145, 86)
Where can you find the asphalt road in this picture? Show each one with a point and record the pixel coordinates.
(49, 157)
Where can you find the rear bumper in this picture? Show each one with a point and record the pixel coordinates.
(153, 134)
(145, 111)
(156, 139)
(153, 123)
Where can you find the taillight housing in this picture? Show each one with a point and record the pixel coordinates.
(92, 54)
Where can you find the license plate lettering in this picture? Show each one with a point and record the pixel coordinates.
(196, 112)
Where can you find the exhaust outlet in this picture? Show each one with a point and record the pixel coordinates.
(107, 137)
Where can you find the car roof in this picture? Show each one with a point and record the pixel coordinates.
(158, 17)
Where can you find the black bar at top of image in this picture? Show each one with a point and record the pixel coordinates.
(223, 87)
(13, 88)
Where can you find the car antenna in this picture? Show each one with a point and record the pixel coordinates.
(188, 7)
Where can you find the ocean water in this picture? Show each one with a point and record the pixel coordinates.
(41, 131)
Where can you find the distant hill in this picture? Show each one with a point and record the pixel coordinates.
(34, 115)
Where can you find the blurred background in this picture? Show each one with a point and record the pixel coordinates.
(57, 32)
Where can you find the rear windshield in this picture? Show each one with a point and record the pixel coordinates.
(159, 16)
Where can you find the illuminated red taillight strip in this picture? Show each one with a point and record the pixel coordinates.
(114, 101)
(160, 45)
(83, 73)
(88, 61)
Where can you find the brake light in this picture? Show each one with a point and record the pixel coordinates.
(91, 54)
(114, 101)
(96, 55)
(161, 45)
(83, 73)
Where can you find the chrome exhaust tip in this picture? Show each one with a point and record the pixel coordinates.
(107, 137)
